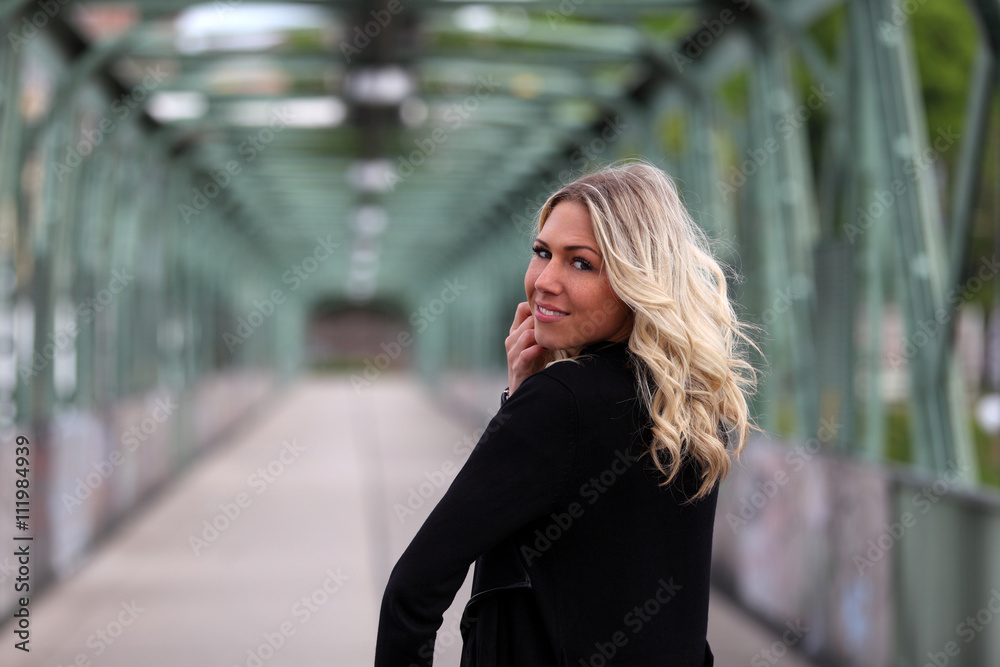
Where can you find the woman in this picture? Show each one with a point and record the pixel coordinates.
(588, 505)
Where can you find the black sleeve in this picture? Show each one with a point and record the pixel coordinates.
(515, 474)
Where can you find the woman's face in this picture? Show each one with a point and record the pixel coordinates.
(568, 291)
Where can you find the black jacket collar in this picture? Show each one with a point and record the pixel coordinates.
(617, 347)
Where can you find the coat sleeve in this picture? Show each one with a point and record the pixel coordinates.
(515, 474)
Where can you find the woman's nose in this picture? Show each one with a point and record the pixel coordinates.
(549, 279)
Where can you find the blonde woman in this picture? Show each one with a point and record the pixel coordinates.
(588, 504)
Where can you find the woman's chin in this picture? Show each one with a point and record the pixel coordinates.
(550, 345)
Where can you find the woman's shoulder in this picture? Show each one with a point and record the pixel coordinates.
(592, 384)
(603, 365)
(560, 391)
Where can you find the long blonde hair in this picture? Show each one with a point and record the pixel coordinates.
(694, 373)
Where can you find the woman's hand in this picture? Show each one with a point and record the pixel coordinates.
(524, 356)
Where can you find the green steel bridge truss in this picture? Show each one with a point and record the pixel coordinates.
(377, 154)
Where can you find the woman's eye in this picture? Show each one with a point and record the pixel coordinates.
(578, 262)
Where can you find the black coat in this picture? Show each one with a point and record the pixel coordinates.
(581, 558)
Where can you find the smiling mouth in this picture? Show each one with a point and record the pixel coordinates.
(546, 311)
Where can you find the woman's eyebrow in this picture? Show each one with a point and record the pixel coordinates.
(570, 247)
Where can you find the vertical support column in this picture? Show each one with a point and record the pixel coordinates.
(431, 345)
(13, 402)
(782, 195)
(866, 226)
(940, 428)
(710, 214)
(982, 86)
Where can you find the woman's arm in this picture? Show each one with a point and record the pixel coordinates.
(516, 474)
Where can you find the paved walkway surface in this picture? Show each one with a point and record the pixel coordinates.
(273, 550)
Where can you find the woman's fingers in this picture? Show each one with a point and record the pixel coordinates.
(518, 344)
(521, 315)
(525, 356)
(522, 321)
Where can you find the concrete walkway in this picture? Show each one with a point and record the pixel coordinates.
(275, 548)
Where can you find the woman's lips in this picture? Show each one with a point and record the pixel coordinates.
(546, 317)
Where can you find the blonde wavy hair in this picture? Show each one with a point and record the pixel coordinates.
(694, 372)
